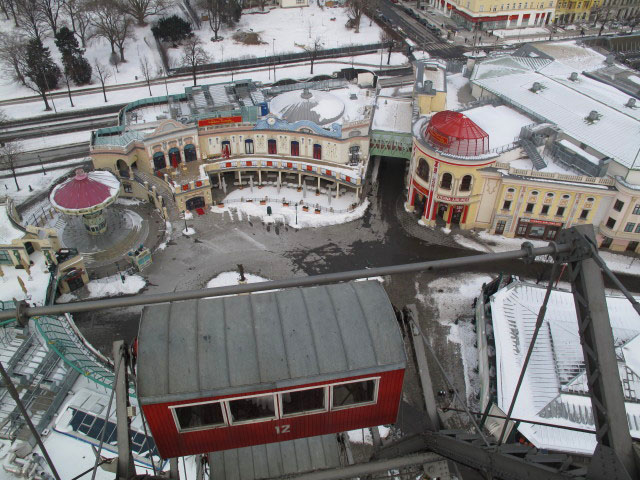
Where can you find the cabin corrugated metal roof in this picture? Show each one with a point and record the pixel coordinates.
(276, 459)
(246, 343)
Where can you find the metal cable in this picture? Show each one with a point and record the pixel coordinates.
(106, 421)
(450, 383)
(539, 320)
(150, 299)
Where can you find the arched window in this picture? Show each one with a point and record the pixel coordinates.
(423, 170)
(465, 184)
(445, 183)
(295, 149)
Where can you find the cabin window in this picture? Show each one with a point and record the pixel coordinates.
(353, 393)
(302, 401)
(205, 415)
(252, 408)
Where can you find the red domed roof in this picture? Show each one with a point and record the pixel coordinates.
(455, 133)
(86, 190)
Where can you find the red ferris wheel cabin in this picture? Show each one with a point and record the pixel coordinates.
(225, 373)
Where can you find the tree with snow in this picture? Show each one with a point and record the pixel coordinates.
(41, 73)
(194, 55)
(142, 9)
(75, 65)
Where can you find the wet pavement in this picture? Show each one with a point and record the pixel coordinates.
(385, 235)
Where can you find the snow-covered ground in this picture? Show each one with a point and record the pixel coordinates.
(285, 30)
(34, 283)
(519, 32)
(233, 278)
(363, 435)
(452, 297)
(36, 180)
(109, 287)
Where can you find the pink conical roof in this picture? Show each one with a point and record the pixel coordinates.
(85, 190)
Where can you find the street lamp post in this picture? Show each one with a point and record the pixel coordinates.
(274, 59)
(41, 165)
(297, 212)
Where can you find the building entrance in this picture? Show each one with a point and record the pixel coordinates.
(195, 202)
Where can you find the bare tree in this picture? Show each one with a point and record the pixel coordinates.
(8, 6)
(386, 39)
(354, 12)
(83, 25)
(30, 18)
(141, 9)
(313, 49)
(71, 8)
(51, 11)
(111, 24)
(67, 80)
(103, 74)
(145, 68)
(9, 153)
(215, 12)
(12, 55)
(193, 55)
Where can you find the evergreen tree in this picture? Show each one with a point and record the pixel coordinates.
(42, 72)
(75, 65)
(172, 29)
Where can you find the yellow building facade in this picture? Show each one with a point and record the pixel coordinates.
(498, 14)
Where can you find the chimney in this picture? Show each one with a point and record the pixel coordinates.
(573, 77)
(593, 116)
(420, 73)
(536, 87)
(631, 103)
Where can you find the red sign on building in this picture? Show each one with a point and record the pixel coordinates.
(219, 121)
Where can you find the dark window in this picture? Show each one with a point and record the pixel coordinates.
(631, 246)
(273, 149)
(317, 151)
(354, 155)
(295, 149)
(445, 183)
(629, 227)
(544, 210)
(606, 242)
(637, 231)
(423, 170)
(196, 416)
(303, 401)
(611, 222)
(127, 187)
(353, 393)
(618, 205)
(506, 205)
(500, 224)
(248, 146)
(636, 209)
(254, 408)
(226, 148)
(465, 184)
(560, 212)
(5, 257)
(536, 231)
(584, 214)
(529, 208)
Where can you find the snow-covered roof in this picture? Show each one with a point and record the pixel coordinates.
(554, 389)
(502, 123)
(393, 115)
(8, 230)
(616, 133)
(94, 190)
(322, 108)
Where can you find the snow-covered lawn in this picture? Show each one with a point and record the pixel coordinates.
(296, 218)
(109, 287)
(35, 282)
(452, 297)
(285, 30)
(37, 180)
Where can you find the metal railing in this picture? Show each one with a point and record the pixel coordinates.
(302, 204)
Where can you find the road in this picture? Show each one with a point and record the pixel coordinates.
(51, 155)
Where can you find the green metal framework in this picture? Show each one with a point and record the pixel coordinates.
(390, 144)
(63, 339)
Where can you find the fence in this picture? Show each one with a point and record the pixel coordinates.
(302, 204)
(280, 59)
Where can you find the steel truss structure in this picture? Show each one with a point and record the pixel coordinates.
(614, 458)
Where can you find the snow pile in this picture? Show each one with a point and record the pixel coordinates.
(363, 435)
(188, 231)
(233, 278)
(453, 297)
(520, 32)
(109, 287)
(454, 83)
(129, 201)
